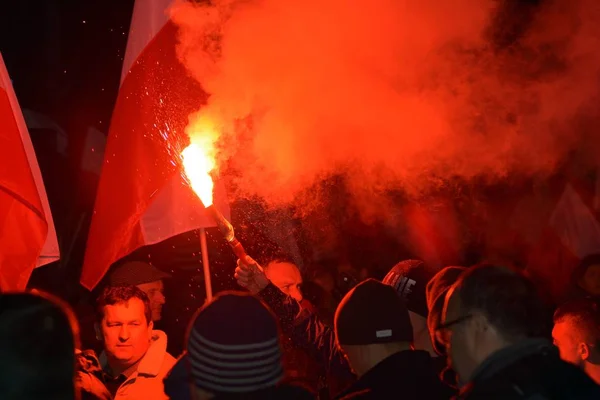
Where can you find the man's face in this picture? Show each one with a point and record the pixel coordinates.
(590, 281)
(155, 292)
(286, 276)
(564, 339)
(458, 337)
(125, 331)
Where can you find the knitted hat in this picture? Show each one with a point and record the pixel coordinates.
(436, 291)
(409, 278)
(233, 346)
(372, 313)
(135, 273)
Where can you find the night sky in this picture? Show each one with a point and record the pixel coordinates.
(64, 58)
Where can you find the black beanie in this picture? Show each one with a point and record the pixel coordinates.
(372, 313)
(233, 346)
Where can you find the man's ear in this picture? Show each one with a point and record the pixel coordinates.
(583, 350)
(479, 321)
(98, 330)
(151, 326)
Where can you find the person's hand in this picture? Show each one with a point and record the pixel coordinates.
(250, 275)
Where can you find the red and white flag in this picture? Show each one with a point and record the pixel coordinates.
(142, 198)
(27, 238)
(563, 229)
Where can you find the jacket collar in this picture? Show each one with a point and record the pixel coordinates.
(151, 361)
(503, 358)
(402, 365)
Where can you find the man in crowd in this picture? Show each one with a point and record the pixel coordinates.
(134, 361)
(284, 274)
(302, 327)
(232, 351)
(38, 338)
(281, 271)
(373, 329)
(494, 324)
(435, 292)
(306, 330)
(409, 278)
(147, 278)
(576, 333)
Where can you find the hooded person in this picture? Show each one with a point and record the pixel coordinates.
(233, 351)
(378, 346)
(435, 292)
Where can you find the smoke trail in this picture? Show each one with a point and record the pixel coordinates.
(392, 93)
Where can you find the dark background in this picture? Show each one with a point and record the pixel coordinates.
(65, 59)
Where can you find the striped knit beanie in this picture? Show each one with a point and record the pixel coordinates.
(233, 346)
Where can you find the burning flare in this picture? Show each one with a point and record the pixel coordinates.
(199, 162)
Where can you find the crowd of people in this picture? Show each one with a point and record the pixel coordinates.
(479, 332)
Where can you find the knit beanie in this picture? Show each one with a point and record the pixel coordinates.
(435, 292)
(409, 278)
(372, 313)
(233, 346)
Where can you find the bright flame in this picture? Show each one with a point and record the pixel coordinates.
(198, 163)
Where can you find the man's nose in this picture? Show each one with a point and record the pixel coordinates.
(124, 333)
(160, 297)
(295, 293)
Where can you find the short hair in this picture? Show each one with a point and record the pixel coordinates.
(38, 338)
(507, 298)
(585, 315)
(112, 295)
(276, 255)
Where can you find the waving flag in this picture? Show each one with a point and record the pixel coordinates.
(142, 198)
(27, 238)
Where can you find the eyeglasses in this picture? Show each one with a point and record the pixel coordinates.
(442, 332)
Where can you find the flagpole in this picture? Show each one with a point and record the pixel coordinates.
(205, 264)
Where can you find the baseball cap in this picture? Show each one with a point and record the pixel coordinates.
(409, 279)
(372, 313)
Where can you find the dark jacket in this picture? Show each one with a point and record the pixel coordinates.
(282, 391)
(407, 374)
(530, 370)
(306, 331)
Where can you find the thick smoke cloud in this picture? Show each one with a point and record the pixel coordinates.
(393, 93)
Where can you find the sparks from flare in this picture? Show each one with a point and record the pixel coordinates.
(199, 161)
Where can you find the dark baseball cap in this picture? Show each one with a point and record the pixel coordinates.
(409, 279)
(372, 313)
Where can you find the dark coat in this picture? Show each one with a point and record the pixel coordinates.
(407, 374)
(529, 370)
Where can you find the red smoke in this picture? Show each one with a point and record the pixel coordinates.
(396, 93)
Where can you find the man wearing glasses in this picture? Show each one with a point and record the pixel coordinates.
(494, 326)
